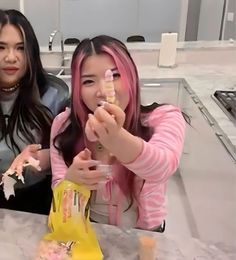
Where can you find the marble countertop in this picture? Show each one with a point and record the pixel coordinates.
(154, 46)
(21, 232)
(204, 80)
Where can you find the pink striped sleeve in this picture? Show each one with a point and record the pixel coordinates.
(161, 154)
(58, 165)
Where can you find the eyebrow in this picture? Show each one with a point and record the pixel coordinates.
(18, 43)
(92, 75)
(87, 76)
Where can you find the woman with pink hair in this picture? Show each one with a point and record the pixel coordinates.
(123, 152)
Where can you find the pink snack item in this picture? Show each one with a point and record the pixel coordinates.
(109, 87)
(52, 250)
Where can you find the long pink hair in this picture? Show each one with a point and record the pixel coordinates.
(129, 76)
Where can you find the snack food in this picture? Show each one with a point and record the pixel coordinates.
(71, 235)
(109, 87)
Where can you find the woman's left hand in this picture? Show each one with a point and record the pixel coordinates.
(105, 123)
(29, 156)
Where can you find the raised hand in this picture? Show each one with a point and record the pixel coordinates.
(105, 123)
(29, 156)
(83, 171)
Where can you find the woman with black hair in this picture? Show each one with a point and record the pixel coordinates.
(27, 106)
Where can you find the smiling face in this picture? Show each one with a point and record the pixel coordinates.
(12, 56)
(92, 81)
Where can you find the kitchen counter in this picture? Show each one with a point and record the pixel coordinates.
(204, 80)
(153, 46)
(21, 232)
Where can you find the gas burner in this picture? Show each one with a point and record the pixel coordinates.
(226, 99)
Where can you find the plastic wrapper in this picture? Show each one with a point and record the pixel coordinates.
(71, 234)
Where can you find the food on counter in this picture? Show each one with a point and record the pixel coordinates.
(147, 246)
(52, 250)
(71, 235)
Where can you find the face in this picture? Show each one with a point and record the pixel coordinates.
(12, 56)
(92, 81)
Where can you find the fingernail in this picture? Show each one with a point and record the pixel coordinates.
(86, 150)
(102, 103)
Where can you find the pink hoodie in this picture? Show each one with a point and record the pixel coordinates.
(158, 160)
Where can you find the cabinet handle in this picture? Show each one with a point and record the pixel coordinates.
(60, 72)
(202, 109)
(224, 143)
(154, 84)
(195, 99)
(188, 90)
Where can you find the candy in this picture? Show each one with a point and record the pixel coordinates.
(109, 87)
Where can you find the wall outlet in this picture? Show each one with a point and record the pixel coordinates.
(230, 16)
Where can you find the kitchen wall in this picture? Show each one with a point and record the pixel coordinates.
(44, 17)
(86, 18)
(192, 20)
(230, 26)
(210, 20)
(204, 20)
(120, 18)
(10, 4)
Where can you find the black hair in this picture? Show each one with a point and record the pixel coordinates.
(28, 112)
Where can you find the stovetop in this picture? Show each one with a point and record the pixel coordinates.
(226, 99)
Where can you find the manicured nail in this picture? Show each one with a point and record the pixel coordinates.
(102, 103)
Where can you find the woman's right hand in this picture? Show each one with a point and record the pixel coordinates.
(80, 171)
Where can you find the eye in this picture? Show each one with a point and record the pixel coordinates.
(87, 82)
(2, 47)
(21, 48)
(116, 75)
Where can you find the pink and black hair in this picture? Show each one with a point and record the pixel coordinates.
(125, 66)
(79, 112)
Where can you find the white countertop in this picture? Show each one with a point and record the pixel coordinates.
(21, 232)
(154, 46)
(204, 79)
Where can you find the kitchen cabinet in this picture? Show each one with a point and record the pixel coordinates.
(160, 91)
(207, 169)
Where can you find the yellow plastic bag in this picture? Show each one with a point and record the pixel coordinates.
(69, 224)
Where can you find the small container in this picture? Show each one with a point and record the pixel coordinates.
(147, 248)
(106, 169)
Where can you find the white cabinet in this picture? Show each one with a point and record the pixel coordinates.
(159, 91)
(207, 170)
(209, 176)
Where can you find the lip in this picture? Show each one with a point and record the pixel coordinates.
(10, 70)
